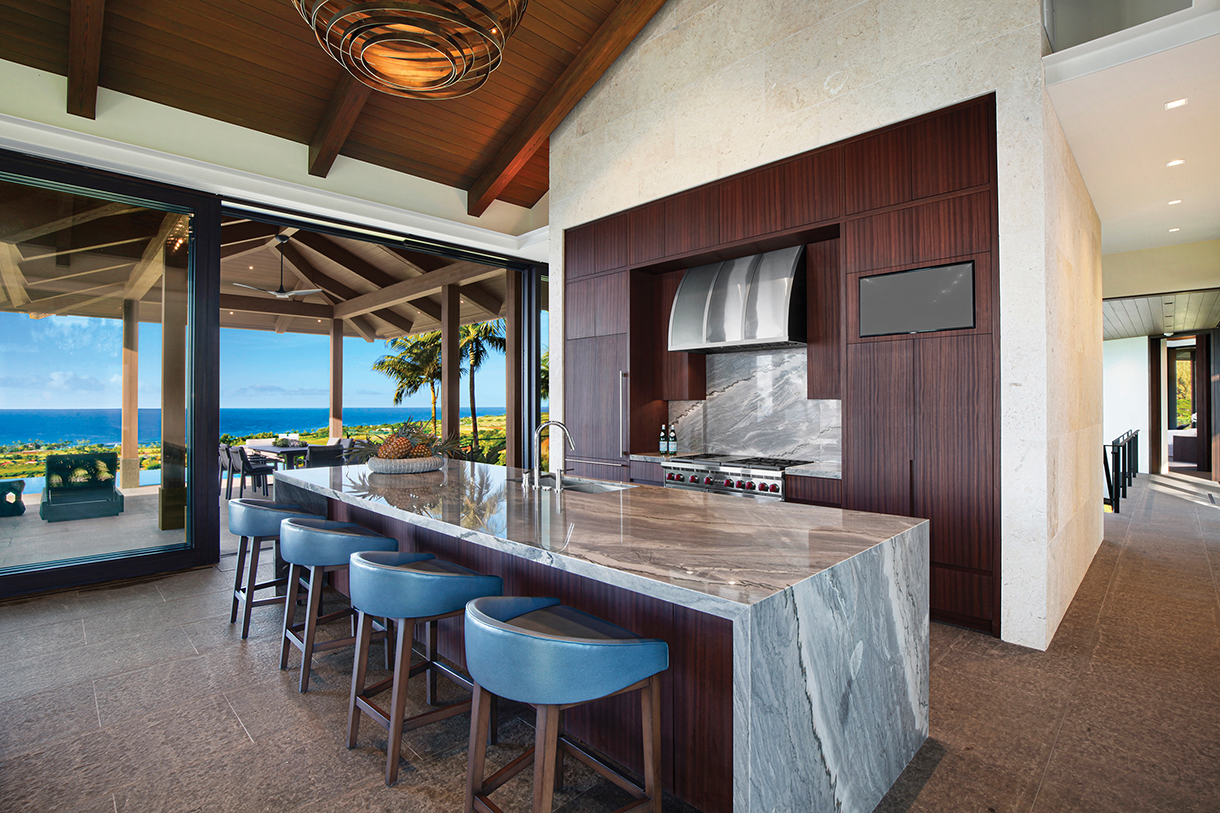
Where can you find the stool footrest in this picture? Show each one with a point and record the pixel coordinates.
(263, 602)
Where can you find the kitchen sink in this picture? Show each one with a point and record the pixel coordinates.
(581, 485)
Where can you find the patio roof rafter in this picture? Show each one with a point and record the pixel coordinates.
(406, 291)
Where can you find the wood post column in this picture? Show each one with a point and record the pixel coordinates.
(129, 452)
(336, 379)
(450, 361)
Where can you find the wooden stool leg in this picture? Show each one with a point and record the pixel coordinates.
(389, 643)
(480, 708)
(559, 753)
(650, 708)
(364, 633)
(430, 654)
(398, 702)
(290, 607)
(241, 563)
(493, 721)
(312, 611)
(256, 544)
(546, 744)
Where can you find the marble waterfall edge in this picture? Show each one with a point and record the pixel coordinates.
(838, 678)
(756, 404)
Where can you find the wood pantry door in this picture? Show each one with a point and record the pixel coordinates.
(878, 427)
(595, 396)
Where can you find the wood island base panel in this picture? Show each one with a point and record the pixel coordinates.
(798, 634)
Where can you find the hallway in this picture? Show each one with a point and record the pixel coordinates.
(140, 696)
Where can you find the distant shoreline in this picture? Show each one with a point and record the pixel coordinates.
(104, 426)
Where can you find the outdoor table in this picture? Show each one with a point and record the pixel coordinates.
(288, 454)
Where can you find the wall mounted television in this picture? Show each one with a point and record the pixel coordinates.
(923, 300)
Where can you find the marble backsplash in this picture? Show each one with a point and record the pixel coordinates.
(756, 405)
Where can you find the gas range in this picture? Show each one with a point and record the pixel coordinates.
(757, 477)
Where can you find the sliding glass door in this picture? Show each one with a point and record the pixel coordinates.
(102, 398)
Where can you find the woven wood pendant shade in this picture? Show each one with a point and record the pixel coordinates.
(428, 49)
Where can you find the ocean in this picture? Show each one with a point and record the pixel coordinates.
(105, 425)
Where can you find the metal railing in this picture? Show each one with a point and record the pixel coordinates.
(1121, 459)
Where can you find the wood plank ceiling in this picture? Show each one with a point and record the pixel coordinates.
(256, 64)
(1156, 315)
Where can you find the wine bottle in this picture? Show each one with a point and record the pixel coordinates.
(673, 438)
(663, 446)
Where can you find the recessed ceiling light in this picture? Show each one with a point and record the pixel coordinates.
(1173, 104)
(1177, 162)
(1175, 229)
(1175, 202)
(251, 268)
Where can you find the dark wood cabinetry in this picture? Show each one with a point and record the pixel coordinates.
(920, 422)
(596, 247)
(877, 171)
(809, 490)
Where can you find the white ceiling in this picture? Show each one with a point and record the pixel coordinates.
(1160, 314)
(1122, 138)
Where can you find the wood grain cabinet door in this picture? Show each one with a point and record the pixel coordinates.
(595, 396)
(955, 446)
(878, 424)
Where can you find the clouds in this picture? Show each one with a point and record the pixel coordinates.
(273, 391)
(70, 382)
(68, 334)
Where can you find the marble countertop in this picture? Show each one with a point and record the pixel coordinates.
(710, 552)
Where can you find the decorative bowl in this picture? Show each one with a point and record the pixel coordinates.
(407, 465)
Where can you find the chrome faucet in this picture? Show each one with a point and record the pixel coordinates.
(538, 453)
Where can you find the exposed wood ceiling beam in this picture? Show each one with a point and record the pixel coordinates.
(346, 102)
(615, 34)
(237, 249)
(310, 274)
(84, 55)
(108, 289)
(281, 323)
(341, 256)
(238, 231)
(426, 307)
(152, 262)
(21, 235)
(281, 307)
(92, 247)
(426, 263)
(10, 274)
(412, 289)
(482, 298)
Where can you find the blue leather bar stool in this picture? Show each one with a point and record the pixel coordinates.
(322, 546)
(255, 521)
(410, 588)
(554, 657)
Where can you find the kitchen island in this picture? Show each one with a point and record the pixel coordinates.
(798, 635)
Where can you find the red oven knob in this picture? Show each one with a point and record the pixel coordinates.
(707, 481)
(669, 475)
(728, 483)
(774, 488)
(750, 486)
(741, 484)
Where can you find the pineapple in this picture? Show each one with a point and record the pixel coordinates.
(410, 440)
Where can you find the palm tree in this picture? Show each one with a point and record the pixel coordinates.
(477, 343)
(544, 376)
(417, 363)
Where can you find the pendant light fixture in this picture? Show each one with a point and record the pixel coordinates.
(425, 49)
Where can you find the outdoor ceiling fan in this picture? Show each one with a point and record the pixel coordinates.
(280, 293)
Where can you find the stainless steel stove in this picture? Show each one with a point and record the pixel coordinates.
(758, 477)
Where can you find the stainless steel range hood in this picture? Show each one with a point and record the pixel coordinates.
(751, 303)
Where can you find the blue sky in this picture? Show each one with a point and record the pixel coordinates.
(71, 362)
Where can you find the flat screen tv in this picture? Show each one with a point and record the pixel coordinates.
(919, 301)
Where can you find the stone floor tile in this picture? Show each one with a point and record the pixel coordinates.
(25, 642)
(33, 720)
(940, 638)
(1074, 783)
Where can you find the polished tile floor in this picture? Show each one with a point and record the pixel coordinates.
(141, 697)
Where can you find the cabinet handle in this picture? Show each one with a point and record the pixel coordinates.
(596, 463)
(622, 376)
(911, 486)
